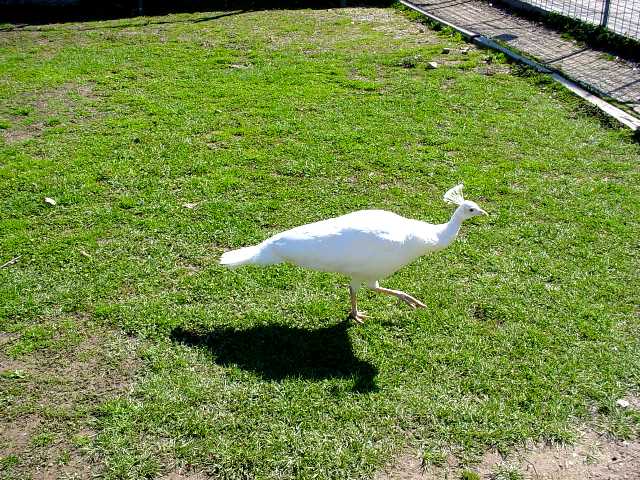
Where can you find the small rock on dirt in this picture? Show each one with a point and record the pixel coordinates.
(622, 403)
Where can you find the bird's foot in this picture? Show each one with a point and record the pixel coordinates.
(412, 302)
(357, 316)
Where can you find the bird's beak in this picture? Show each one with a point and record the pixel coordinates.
(482, 212)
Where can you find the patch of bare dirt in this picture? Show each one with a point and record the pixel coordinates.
(594, 456)
(7, 337)
(189, 268)
(47, 398)
(31, 42)
(68, 101)
(493, 69)
(634, 402)
(60, 459)
(21, 133)
(393, 24)
(16, 435)
(184, 475)
(405, 467)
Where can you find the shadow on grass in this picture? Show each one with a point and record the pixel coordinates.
(39, 12)
(276, 352)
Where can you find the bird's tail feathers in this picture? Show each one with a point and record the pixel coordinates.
(241, 256)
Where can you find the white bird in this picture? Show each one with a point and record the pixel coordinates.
(367, 246)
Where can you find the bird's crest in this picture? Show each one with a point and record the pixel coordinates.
(454, 195)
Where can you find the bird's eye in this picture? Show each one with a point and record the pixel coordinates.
(472, 209)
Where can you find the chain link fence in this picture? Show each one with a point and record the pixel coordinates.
(619, 16)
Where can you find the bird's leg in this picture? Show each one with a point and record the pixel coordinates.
(355, 314)
(405, 297)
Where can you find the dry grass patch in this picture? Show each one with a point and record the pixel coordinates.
(594, 456)
(50, 396)
(184, 475)
(31, 114)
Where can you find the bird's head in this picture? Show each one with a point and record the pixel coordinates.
(466, 208)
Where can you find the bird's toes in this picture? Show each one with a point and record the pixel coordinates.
(408, 300)
(412, 302)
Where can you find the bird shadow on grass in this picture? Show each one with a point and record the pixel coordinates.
(277, 352)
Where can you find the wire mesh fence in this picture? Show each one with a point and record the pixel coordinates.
(619, 16)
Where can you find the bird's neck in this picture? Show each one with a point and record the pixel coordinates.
(449, 231)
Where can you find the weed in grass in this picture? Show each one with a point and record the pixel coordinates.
(409, 62)
(469, 475)
(9, 465)
(506, 472)
(22, 111)
(64, 458)
(433, 456)
(43, 439)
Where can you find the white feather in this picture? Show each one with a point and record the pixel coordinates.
(454, 195)
(366, 245)
(242, 256)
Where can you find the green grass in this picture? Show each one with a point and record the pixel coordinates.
(163, 361)
(469, 475)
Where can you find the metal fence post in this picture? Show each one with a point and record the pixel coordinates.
(605, 13)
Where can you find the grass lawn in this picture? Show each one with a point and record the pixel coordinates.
(126, 351)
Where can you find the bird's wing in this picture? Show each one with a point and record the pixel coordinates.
(366, 244)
